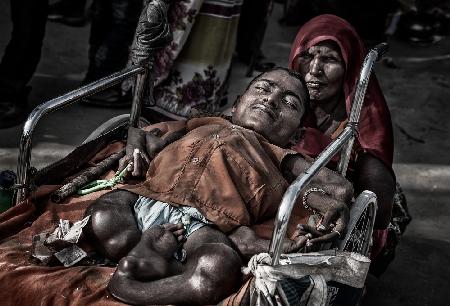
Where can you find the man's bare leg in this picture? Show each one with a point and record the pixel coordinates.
(211, 272)
(112, 228)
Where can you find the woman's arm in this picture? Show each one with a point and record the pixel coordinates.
(373, 175)
(332, 193)
(332, 182)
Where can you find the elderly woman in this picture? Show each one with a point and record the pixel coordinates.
(329, 53)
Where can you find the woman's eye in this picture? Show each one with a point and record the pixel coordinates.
(331, 59)
(306, 57)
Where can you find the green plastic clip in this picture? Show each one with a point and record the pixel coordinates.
(104, 184)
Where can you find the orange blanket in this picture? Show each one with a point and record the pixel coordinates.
(23, 281)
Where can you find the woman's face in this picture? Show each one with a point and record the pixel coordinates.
(323, 69)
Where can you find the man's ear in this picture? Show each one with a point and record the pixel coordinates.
(233, 109)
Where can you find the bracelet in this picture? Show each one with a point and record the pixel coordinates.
(305, 197)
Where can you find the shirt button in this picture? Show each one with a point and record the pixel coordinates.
(233, 127)
(195, 160)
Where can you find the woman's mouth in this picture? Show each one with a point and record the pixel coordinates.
(314, 84)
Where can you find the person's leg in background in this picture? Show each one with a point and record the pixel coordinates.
(69, 12)
(251, 29)
(100, 26)
(113, 25)
(21, 58)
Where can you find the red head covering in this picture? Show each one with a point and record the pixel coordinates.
(375, 127)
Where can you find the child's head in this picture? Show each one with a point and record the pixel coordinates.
(273, 105)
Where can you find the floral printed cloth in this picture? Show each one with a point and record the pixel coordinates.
(193, 68)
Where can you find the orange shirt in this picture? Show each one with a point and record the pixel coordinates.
(229, 173)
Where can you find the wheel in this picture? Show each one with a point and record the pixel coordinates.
(360, 227)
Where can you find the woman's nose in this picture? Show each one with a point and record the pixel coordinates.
(315, 66)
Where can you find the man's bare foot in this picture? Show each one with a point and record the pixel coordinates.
(150, 259)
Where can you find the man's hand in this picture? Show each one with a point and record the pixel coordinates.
(136, 163)
(143, 146)
(296, 244)
(136, 157)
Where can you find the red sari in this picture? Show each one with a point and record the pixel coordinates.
(375, 127)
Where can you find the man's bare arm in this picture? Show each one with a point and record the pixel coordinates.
(155, 143)
(249, 244)
(143, 146)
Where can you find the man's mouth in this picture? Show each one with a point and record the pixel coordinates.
(266, 110)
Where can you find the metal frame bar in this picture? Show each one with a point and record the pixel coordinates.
(366, 201)
(60, 102)
(345, 138)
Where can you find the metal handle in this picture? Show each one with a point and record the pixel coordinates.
(61, 102)
(152, 33)
(381, 50)
(374, 55)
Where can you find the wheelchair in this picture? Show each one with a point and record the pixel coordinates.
(325, 277)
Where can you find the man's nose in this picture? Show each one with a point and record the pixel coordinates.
(315, 66)
(272, 100)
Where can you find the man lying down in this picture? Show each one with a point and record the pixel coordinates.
(181, 236)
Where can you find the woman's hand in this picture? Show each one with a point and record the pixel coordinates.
(334, 211)
(332, 227)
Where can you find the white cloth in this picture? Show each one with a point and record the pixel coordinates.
(343, 267)
(149, 212)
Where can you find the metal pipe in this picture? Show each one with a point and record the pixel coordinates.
(51, 106)
(345, 156)
(358, 100)
(293, 191)
(138, 95)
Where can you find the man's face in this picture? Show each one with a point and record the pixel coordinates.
(272, 106)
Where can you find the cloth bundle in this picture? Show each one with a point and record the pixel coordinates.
(322, 278)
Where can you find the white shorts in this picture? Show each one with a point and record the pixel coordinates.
(149, 212)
